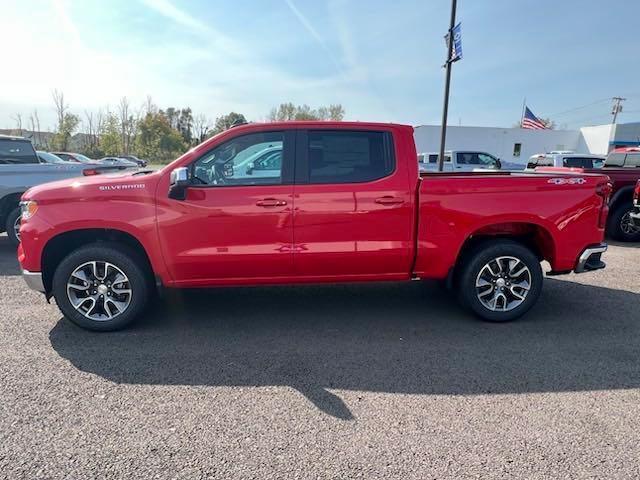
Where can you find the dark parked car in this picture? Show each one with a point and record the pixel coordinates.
(133, 158)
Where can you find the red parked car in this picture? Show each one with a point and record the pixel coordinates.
(635, 214)
(344, 203)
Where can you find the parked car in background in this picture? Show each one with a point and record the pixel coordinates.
(47, 157)
(117, 162)
(133, 158)
(74, 157)
(459, 161)
(346, 204)
(565, 159)
(21, 168)
(635, 214)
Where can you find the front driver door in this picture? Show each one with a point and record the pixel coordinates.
(234, 226)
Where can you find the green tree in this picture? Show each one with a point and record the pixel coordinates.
(66, 128)
(225, 122)
(185, 125)
(156, 140)
(110, 136)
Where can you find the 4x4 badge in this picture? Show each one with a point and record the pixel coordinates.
(567, 181)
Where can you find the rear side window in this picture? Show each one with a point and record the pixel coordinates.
(433, 158)
(16, 151)
(615, 160)
(577, 162)
(349, 157)
(633, 160)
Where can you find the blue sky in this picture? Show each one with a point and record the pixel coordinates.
(381, 59)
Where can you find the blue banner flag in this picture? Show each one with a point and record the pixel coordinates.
(456, 44)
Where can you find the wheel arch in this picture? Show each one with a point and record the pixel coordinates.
(64, 243)
(625, 194)
(532, 235)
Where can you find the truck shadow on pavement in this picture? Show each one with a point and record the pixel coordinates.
(396, 338)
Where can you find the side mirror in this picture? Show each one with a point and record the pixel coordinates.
(178, 183)
(498, 164)
(250, 168)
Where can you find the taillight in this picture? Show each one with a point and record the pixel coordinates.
(636, 194)
(604, 190)
(90, 171)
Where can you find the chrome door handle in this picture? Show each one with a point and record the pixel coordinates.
(271, 202)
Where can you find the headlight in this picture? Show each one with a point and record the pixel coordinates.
(28, 209)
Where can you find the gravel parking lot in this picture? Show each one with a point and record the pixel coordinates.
(371, 381)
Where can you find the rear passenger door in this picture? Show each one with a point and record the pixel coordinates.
(353, 215)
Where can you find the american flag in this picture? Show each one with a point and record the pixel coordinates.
(530, 121)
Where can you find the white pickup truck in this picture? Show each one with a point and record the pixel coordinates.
(20, 169)
(459, 161)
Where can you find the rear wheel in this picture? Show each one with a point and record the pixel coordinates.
(500, 280)
(101, 287)
(12, 226)
(619, 225)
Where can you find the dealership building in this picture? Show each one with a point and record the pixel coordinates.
(518, 144)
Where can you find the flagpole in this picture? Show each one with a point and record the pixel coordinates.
(524, 105)
(447, 82)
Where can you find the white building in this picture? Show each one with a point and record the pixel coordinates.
(518, 144)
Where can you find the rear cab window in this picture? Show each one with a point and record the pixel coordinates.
(16, 151)
(336, 156)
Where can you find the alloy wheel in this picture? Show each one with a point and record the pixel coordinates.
(503, 284)
(16, 227)
(627, 226)
(99, 290)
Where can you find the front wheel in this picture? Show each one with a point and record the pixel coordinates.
(500, 280)
(101, 286)
(12, 226)
(620, 226)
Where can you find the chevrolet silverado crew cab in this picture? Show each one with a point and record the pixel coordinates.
(341, 202)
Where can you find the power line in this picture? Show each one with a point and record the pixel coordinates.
(581, 107)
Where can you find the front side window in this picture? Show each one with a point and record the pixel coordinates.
(17, 151)
(348, 157)
(253, 159)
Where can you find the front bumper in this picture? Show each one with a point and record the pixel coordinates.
(590, 259)
(33, 280)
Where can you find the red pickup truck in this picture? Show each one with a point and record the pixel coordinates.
(306, 202)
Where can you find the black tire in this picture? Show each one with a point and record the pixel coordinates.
(479, 257)
(121, 257)
(14, 215)
(615, 227)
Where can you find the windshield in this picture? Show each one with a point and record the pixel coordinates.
(49, 157)
(82, 158)
(16, 151)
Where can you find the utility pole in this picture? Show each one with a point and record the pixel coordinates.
(445, 108)
(617, 107)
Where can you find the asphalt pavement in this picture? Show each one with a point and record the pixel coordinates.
(336, 381)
